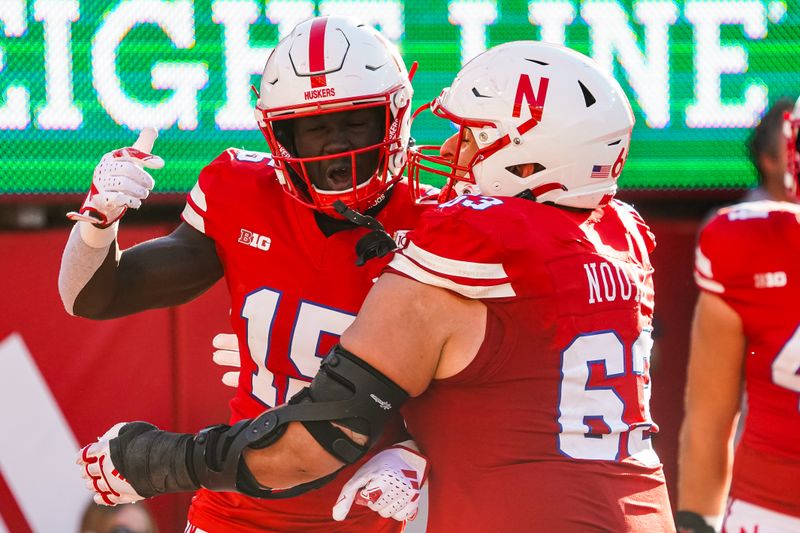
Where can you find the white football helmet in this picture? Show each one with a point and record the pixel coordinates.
(540, 104)
(791, 125)
(327, 65)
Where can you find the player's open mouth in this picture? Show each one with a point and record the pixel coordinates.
(339, 177)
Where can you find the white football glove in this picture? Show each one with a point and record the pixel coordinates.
(120, 182)
(390, 484)
(227, 355)
(101, 476)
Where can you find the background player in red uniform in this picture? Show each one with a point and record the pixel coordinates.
(745, 334)
(517, 318)
(334, 107)
(767, 149)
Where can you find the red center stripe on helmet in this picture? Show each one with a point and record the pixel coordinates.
(316, 52)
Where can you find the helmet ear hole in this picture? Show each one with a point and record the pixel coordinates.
(524, 170)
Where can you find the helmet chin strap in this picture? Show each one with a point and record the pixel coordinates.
(527, 194)
(376, 243)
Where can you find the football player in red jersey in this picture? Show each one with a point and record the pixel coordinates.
(745, 336)
(512, 329)
(334, 107)
(767, 149)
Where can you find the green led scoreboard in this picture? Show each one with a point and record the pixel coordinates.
(78, 78)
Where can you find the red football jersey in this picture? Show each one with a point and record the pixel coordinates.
(548, 428)
(293, 292)
(749, 255)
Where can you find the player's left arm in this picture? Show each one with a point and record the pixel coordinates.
(390, 483)
(713, 394)
(406, 334)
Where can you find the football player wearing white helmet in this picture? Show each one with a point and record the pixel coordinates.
(334, 106)
(570, 156)
(745, 337)
(512, 329)
(306, 86)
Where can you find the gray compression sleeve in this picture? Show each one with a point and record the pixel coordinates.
(85, 251)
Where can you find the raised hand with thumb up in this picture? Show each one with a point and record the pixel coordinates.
(120, 181)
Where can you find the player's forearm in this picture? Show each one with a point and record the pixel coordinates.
(95, 280)
(704, 468)
(293, 460)
(89, 258)
(142, 461)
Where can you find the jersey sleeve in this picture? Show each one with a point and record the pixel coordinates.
(454, 248)
(743, 248)
(713, 256)
(211, 195)
(636, 226)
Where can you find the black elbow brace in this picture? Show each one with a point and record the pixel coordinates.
(346, 390)
(351, 393)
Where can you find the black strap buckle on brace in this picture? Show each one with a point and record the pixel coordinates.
(370, 399)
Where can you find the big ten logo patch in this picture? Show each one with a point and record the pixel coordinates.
(770, 280)
(250, 238)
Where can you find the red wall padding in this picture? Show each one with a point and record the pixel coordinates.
(156, 366)
(676, 294)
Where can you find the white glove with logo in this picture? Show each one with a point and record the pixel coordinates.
(101, 476)
(120, 182)
(389, 483)
(227, 354)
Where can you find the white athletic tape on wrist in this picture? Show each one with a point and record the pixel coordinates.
(98, 237)
(714, 521)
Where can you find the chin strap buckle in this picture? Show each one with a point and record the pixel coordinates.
(376, 243)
